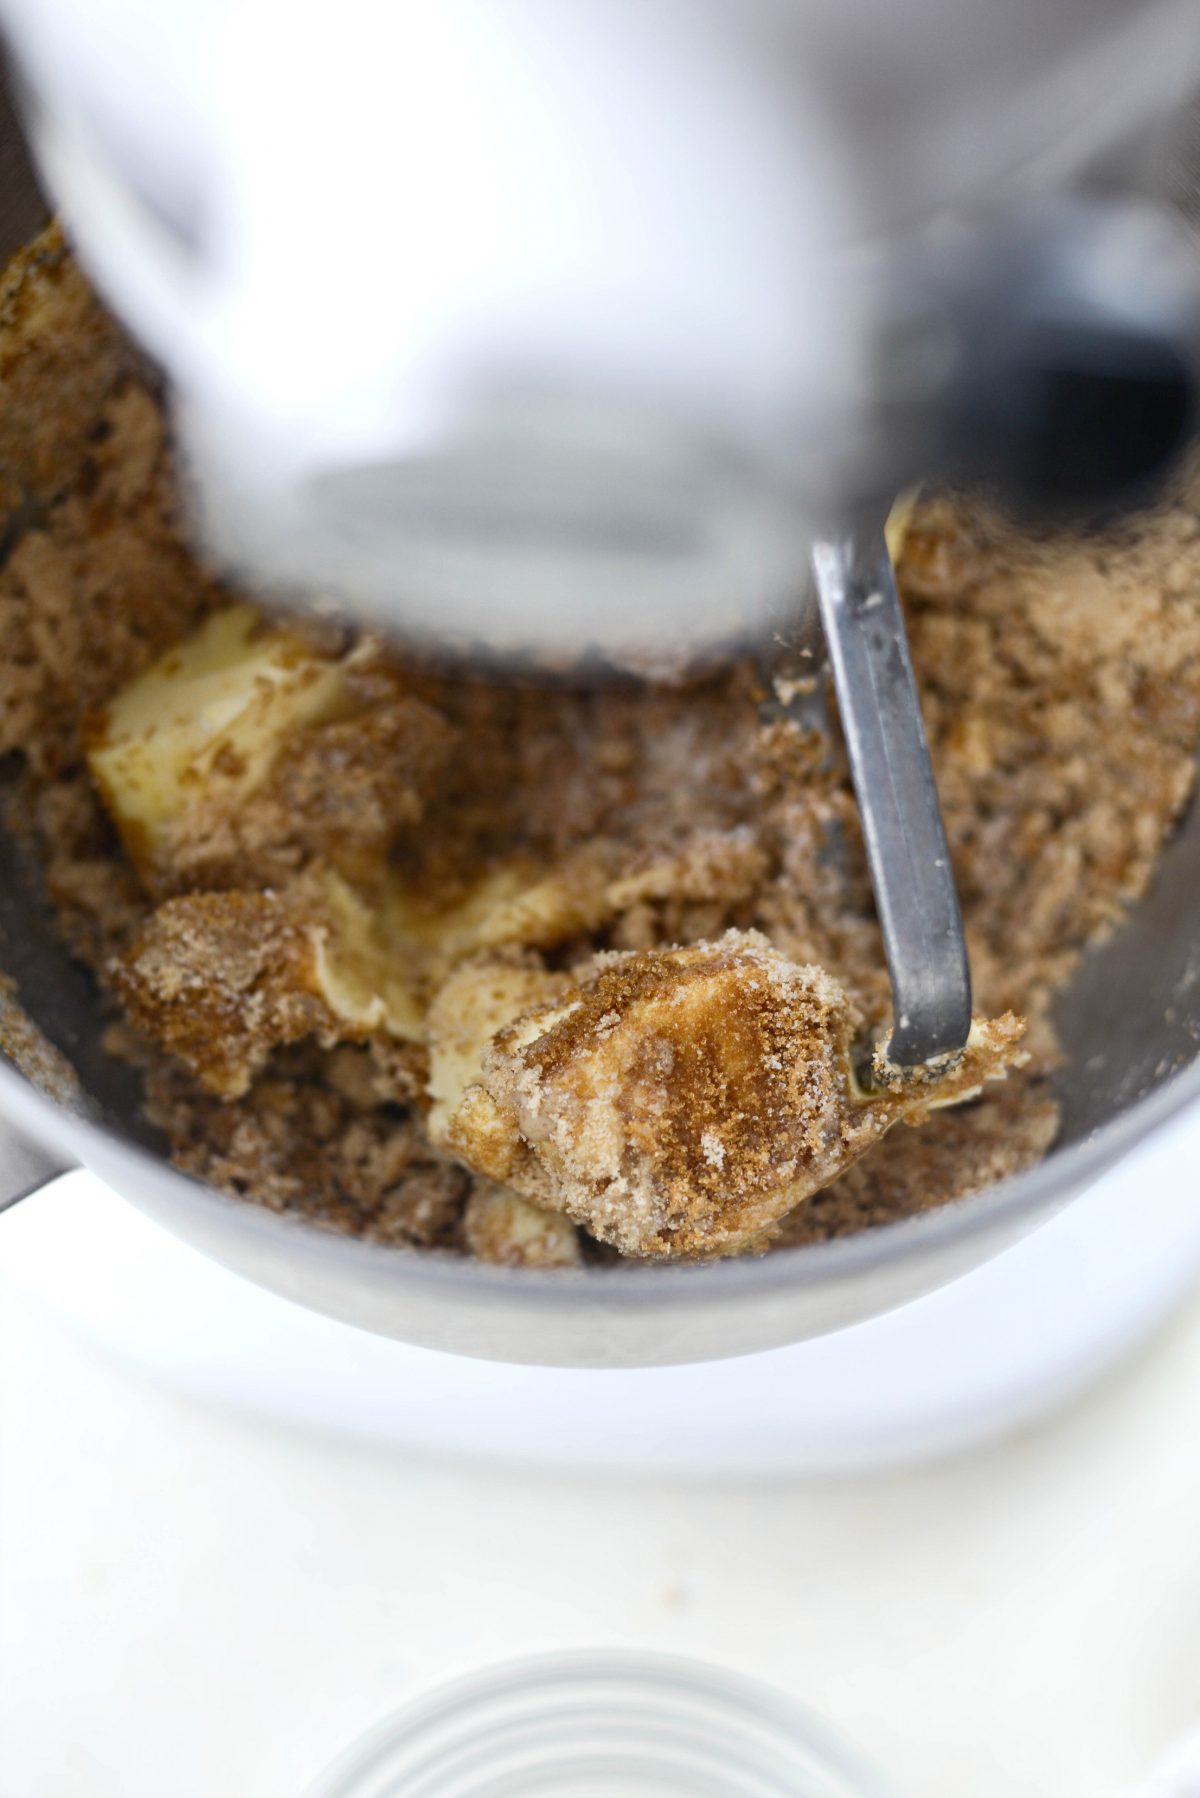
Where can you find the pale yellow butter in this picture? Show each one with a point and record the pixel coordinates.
(203, 725)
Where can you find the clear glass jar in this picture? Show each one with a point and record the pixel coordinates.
(599, 1725)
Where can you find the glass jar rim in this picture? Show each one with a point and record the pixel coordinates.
(604, 1716)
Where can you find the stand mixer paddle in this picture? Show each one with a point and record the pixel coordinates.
(905, 841)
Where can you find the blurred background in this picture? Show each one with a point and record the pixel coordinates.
(234, 1534)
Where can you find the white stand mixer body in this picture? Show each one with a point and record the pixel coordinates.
(549, 325)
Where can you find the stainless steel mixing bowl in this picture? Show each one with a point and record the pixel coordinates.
(1130, 1023)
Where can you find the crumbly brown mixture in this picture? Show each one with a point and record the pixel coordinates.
(1061, 683)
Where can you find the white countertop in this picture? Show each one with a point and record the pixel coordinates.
(199, 1604)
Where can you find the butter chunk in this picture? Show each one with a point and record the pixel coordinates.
(200, 730)
(521, 905)
(471, 1007)
(895, 531)
(503, 1228)
(682, 1101)
(361, 975)
(222, 980)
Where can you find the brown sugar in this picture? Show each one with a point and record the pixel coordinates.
(222, 980)
(540, 830)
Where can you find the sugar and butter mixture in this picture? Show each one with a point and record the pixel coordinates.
(539, 974)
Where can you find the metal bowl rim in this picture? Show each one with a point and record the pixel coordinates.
(1006, 1202)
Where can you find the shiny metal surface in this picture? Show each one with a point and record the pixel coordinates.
(1130, 1023)
(897, 800)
